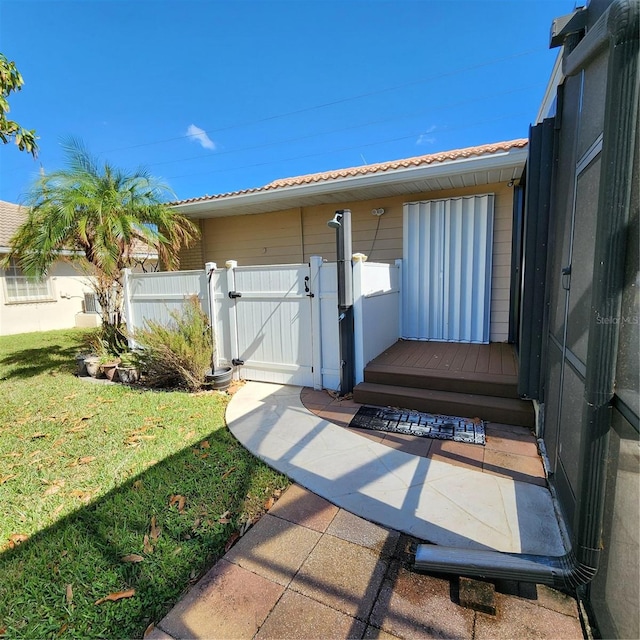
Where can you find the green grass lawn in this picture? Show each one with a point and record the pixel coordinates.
(107, 489)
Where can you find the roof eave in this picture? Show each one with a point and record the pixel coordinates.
(225, 205)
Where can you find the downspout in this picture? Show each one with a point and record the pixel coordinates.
(619, 26)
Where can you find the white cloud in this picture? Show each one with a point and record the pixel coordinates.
(425, 138)
(200, 135)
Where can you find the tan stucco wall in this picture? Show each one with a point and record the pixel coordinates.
(294, 235)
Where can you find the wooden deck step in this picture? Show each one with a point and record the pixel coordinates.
(467, 405)
(485, 384)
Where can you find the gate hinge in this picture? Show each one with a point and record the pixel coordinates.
(306, 287)
(235, 294)
(236, 362)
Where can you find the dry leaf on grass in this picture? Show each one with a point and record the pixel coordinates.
(231, 541)
(147, 547)
(136, 439)
(80, 427)
(137, 485)
(69, 594)
(54, 488)
(17, 538)
(226, 474)
(205, 444)
(4, 479)
(132, 557)
(118, 595)
(83, 460)
(85, 496)
(148, 630)
(155, 530)
(178, 500)
(269, 503)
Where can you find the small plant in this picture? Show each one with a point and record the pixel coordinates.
(178, 354)
(107, 341)
(129, 360)
(107, 358)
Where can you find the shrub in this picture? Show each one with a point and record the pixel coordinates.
(107, 341)
(177, 354)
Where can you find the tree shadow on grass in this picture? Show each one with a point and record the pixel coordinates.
(86, 548)
(33, 361)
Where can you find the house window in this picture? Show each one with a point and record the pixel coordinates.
(21, 288)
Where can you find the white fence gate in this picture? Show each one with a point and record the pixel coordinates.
(269, 321)
(277, 323)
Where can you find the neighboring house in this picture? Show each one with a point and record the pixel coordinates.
(28, 304)
(465, 197)
(61, 300)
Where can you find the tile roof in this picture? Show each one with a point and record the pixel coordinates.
(11, 217)
(371, 169)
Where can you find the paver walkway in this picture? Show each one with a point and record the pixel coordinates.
(313, 568)
(308, 569)
(509, 452)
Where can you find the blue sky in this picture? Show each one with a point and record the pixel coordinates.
(218, 96)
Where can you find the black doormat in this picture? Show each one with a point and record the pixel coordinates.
(416, 423)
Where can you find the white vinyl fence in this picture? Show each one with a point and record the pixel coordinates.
(376, 310)
(277, 323)
(154, 296)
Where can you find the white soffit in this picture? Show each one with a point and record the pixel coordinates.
(452, 174)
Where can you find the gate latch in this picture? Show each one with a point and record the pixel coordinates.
(235, 294)
(236, 362)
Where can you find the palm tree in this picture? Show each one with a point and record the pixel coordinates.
(98, 217)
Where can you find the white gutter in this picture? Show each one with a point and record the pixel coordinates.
(502, 160)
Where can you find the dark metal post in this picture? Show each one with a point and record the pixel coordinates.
(345, 300)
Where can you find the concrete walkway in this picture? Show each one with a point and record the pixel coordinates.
(430, 499)
(318, 566)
